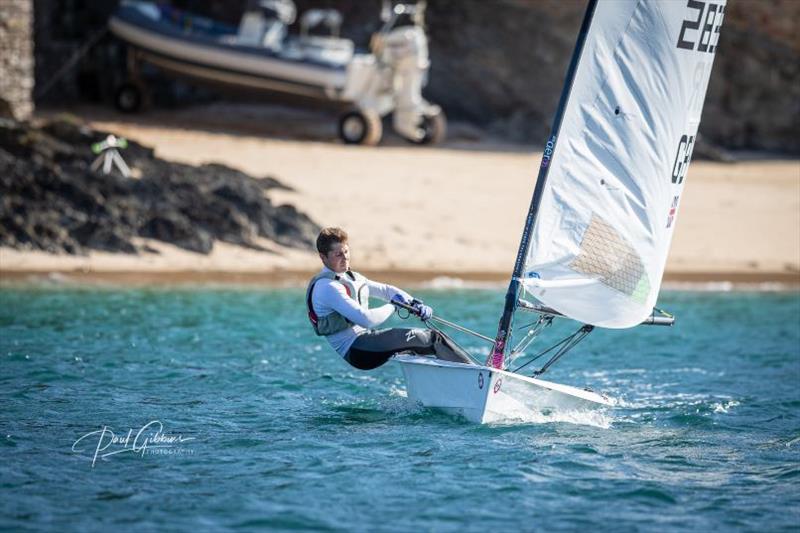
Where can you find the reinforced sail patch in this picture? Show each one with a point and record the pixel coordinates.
(608, 256)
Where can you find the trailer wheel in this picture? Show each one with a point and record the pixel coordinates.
(129, 97)
(435, 127)
(360, 127)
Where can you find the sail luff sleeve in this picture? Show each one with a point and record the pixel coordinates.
(497, 356)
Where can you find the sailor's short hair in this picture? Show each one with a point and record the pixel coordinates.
(328, 237)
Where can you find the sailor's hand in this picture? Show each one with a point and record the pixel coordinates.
(424, 312)
(401, 300)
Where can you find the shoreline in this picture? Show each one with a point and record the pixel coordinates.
(700, 280)
(446, 216)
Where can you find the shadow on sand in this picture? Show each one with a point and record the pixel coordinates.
(281, 122)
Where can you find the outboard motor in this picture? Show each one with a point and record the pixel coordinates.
(403, 46)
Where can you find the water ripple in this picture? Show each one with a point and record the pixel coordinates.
(705, 435)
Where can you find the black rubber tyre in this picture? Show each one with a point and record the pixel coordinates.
(435, 127)
(129, 97)
(360, 127)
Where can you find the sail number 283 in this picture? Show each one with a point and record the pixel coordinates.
(709, 15)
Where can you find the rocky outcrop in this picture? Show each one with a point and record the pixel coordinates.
(51, 200)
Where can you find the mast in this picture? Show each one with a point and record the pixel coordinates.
(497, 357)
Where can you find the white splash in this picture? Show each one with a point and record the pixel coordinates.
(394, 390)
(593, 417)
(723, 407)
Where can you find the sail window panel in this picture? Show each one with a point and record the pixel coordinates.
(606, 255)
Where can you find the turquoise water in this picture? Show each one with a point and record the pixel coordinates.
(278, 433)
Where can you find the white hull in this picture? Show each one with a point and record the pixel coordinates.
(228, 65)
(482, 394)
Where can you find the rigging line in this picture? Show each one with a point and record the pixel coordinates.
(524, 343)
(462, 329)
(564, 345)
(542, 353)
(576, 337)
(408, 308)
(434, 328)
(543, 322)
(529, 337)
(532, 323)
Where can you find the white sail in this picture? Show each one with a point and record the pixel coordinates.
(618, 161)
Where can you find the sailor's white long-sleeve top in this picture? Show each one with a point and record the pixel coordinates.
(329, 295)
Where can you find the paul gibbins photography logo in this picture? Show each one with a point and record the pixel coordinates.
(150, 439)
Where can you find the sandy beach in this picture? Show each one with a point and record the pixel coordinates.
(417, 213)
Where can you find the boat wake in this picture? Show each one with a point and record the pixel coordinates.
(582, 417)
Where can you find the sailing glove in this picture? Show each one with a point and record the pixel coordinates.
(425, 312)
(401, 299)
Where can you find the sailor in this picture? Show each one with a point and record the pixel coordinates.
(338, 308)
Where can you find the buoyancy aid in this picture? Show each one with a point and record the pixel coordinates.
(355, 285)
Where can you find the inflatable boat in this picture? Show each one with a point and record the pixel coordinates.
(259, 55)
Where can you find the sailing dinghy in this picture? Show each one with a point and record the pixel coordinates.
(600, 223)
